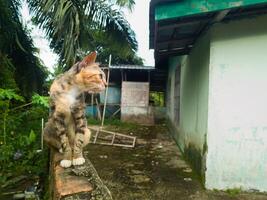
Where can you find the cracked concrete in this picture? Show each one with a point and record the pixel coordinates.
(153, 170)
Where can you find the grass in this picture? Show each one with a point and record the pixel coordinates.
(233, 192)
(113, 122)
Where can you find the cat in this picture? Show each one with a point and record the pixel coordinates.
(66, 129)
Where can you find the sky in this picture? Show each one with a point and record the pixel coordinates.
(138, 19)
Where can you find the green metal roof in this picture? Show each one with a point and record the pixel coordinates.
(175, 25)
(192, 7)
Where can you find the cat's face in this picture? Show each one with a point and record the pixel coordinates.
(90, 77)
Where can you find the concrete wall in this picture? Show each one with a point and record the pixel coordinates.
(135, 103)
(237, 122)
(173, 64)
(191, 129)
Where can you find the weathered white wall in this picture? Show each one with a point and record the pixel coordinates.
(173, 64)
(194, 94)
(191, 129)
(237, 119)
(135, 102)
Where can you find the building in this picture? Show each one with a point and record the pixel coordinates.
(215, 53)
(128, 94)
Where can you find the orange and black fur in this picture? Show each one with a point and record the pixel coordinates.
(66, 129)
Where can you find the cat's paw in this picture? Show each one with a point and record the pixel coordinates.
(78, 161)
(65, 163)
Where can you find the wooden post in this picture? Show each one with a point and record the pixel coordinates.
(92, 105)
(42, 136)
(98, 110)
(106, 94)
(92, 100)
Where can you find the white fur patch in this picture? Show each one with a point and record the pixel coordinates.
(78, 161)
(65, 163)
(72, 94)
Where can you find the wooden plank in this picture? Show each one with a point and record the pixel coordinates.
(113, 137)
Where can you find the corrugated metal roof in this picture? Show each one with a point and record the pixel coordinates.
(132, 67)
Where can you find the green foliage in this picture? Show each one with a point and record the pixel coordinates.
(21, 74)
(157, 98)
(6, 95)
(31, 138)
(40, 100)
(9, 94)
(234, 192)
(114, 122)
(19, 67)
(124, 3)
(104, 45)
(19, 140)
(84, 26)
(7, 73)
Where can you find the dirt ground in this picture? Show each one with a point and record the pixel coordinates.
(153, 170)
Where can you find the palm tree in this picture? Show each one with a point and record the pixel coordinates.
(124, 3)
(19, 67)
(78, 26)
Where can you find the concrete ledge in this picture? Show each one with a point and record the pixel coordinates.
(75, 183)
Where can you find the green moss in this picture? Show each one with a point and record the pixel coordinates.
(194, 157)
(233, 192)
(205, 147)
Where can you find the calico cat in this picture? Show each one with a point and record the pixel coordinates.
(66, 129)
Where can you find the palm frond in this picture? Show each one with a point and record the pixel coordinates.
(126, 3)
(111, 20)
(17, 48)
(72, 24)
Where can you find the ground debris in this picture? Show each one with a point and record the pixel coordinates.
(149, 172)
(187, 179)
(187, 170)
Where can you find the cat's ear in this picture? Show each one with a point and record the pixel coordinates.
(89, 59)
